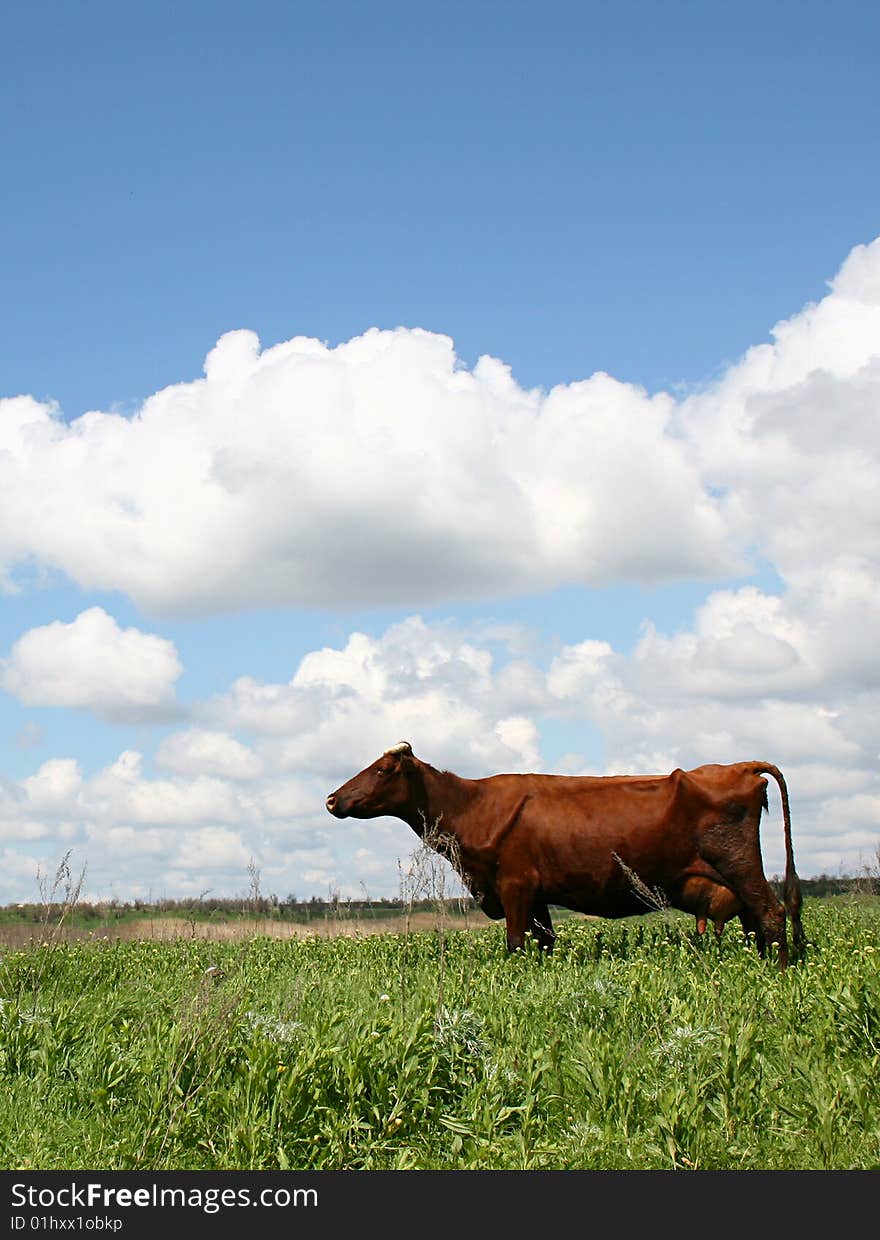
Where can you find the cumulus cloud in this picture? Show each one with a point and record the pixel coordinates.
(121, 793)
(251, 780)
(201, 752)
(384, 471)
(381, 470)
(211, 848)
(122, 675)
(789, 435)
(430, 685)
(56, 785)
(145, 836)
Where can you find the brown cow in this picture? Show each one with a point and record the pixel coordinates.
(601, 845)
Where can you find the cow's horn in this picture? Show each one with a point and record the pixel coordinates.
(400, 747)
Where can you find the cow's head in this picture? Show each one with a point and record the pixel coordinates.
(384, 787)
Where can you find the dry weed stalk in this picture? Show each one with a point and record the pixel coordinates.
(653, 898)
(867, 883)
(50, 931)
(427, 878)
(52, 922)
(429, 873)
(253, 896)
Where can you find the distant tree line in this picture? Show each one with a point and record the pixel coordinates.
(207, 907)
(825, 885)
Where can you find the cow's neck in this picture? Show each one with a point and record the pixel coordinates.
(444, 803)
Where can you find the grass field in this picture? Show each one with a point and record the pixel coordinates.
(634, 1046)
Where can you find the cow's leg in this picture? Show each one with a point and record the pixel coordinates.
(751, 926)
(772, 925)
(701, 925)
(517, 897)
(541, 926)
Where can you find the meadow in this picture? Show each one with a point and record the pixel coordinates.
(635, 1045)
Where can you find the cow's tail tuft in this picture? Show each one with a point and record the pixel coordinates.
(791, 890)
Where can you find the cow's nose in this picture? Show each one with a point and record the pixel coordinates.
(331, 803)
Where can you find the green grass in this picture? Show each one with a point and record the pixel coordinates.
(633, 1046)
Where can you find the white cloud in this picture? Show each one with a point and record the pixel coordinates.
(377, 471)
(790, 434)
(429, 685)
(580, 669)
(137, 832)
(520, 734)
(211, 848)
(56, 785)
(201, 752)
(222, 800)
(384, 471)
(121, 794)
(122, 675)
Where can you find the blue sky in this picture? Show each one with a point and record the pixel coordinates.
(642, 533)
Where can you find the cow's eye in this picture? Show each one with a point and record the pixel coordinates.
(383, 770)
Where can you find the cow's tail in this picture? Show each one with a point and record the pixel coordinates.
(791, 890)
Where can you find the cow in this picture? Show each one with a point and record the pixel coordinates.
(610, 846)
